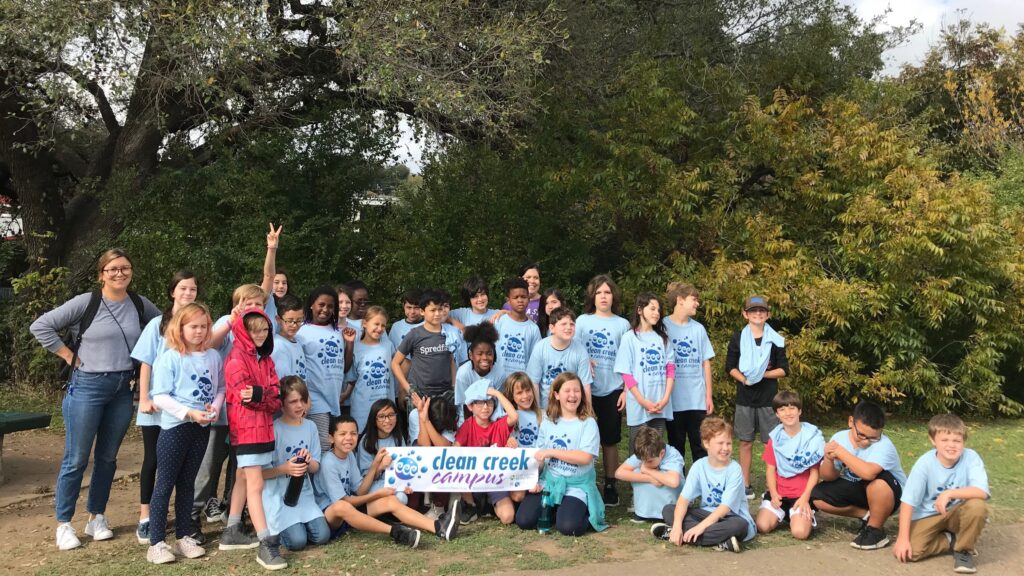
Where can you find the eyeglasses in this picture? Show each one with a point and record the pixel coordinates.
(386, 417)
(363, 301)
(291, 322)
(123, 270)
(864, 437)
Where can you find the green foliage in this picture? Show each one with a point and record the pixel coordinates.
(34, 293)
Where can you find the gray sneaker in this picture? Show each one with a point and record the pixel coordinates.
(234, 538)
(269, 555)
(963, 562)
(730, 545)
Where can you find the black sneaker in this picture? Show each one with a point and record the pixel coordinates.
(406, 536)
(142, 533)
(730, 545)
(212, 511)
(870, 538)
(963, 562)
(611, 495)
(661, 531)
(269, 554)
(749, 492)
(447, 526)
(198, 536)
(469, 514)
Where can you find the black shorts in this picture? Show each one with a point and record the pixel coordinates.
(842, 492)
(609, 419)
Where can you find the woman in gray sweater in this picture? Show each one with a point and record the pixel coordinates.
(98, 404)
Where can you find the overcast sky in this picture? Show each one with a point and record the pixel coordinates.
(932, 14)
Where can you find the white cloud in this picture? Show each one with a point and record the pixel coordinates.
(934, 15)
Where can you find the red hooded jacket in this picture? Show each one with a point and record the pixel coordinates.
(251, 424)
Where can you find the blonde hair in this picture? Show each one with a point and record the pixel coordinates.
(372, 312)
(555, 409)
(712, 427)
(517, 380)
(175, 333)
(950, 423)
(247, 292)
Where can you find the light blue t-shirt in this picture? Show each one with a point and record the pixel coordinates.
(515, 343)
(456, 343)
(288, 440)
(325, 367)
(882, 453)
(528, 429)
(691, 347)
(716, 487)
(372, 378)
(337, 478)
(929, 478)
(465, 376)
(150, 346)
(648, 499)
(288, 357)
(467, 317)
(601, 337)
(271, 311)
(365, 460)
(644, 355)
(399, 330)
(570, 435)
(194, 380)
(546, 363)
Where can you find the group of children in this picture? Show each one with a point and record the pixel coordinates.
(313, 394)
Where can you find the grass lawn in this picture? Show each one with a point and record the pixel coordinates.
(485, 546)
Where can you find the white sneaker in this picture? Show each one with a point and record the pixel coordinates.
(188, 548)
(67, 539)
(160, 553)
(98, 528)
(435, 512)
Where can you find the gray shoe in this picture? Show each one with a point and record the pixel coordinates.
(730, 545)
(269, 555)
(406, 536)
(963, 562)
(234, 538)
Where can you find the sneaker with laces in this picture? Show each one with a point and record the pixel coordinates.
(661, 530)
(610, 495)
(212, 511)
(160, 553)
(234, 538)
(870, 538)
(269, 554)
(198, 536)
(406, 536)
(447, 526)
(435, 512)
(963, 562)
(469, 514)
(142, 532)
(188, 548)
(730, 545)
(98, 528)
(67, 538)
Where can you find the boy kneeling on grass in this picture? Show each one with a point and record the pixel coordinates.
(723, 517)
(943, 505)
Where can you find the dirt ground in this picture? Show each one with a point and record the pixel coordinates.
(27, 533)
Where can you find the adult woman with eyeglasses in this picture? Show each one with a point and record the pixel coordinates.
(98, 404)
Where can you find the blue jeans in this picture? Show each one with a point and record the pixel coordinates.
(297, 536)
(97, 408)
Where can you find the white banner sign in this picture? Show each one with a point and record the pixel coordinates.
(457, 469)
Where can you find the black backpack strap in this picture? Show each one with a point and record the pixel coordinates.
(140, 308)
(84, 323)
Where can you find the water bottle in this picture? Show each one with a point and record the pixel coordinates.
(291, 495)
(544, 522)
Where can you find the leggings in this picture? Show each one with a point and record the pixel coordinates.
(180, 451)
(685, 425)
(147, 476)
(571, 516)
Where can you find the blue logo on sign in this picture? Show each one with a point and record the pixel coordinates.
(406, 468)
